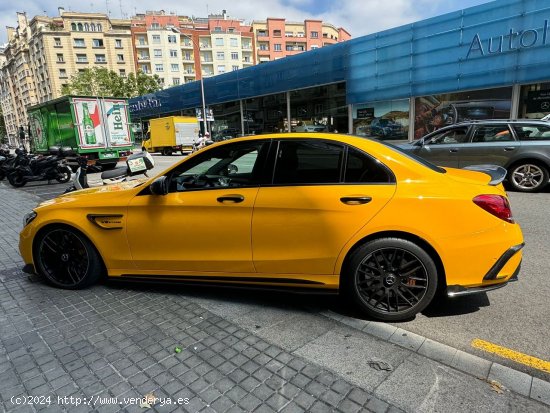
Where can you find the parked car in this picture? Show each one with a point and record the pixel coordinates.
(310, 127)
(386, 128)
(324, 212)
(520, 146)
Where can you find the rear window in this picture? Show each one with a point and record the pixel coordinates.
(532, 132)
(416, 158)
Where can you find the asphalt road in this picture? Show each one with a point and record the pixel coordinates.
(516, 317)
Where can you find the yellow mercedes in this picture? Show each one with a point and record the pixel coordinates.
(323, 212)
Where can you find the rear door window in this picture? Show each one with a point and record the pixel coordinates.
(492, 133)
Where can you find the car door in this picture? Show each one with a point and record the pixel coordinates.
(203, 224)
(492, 143)
(442, 148)
(321, 194)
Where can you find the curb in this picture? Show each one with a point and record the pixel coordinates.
(513, 380)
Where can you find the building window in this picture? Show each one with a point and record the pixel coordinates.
(314, 35)
(172, 39)
(277, 47)
(264, 46)
(100, 58)
(99, 27)
(79, 27)
(175, 67)
(262, 33)
(157, 52)
(231, 30)
(159, 67)
(221, 68)
(187, 56)
(145, 68)
(277, 33)
(219, 41)
(81, 58)
(234, 56)
(176, 81)
(234, 42)
(79, 43)
(118, 43)
(289, 34)
(97, 42)
(300, 34)
(233, 68)
(62, 73)
(92, 27)
(220, 55)
(156, 38)
(122, 72)
(73, 27)
(86, 27)
(173, 53)
(57, 41)
(155, 26)
(60, 58)
(120, 57)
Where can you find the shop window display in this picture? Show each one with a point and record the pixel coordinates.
(382, 120)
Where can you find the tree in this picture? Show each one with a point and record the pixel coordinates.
(99, 81)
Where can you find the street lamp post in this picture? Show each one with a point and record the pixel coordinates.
(205, 123)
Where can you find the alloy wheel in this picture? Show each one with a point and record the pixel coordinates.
(528, 177)
(64, 258)
(391, 280)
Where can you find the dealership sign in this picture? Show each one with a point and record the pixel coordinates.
(513, 40)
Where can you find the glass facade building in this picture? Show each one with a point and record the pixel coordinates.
(488, 61)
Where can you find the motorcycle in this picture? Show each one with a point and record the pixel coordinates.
(27, 168)
(6, 163)
(136, 164)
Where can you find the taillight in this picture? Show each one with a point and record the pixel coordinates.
(497, 205)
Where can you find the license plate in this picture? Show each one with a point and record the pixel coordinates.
(109, 155)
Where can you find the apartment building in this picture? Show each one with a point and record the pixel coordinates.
(276, 38)
(180, 49)
(43, 54)
(17, 88)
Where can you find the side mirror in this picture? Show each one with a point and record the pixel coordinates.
(159, 186)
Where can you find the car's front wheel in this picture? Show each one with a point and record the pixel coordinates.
(391, 279)
(66, 258)
(528, 177)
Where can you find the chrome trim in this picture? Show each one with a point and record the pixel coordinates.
(459, 291)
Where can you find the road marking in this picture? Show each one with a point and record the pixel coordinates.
(512, 355)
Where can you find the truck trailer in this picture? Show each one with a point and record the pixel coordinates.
(98, 128)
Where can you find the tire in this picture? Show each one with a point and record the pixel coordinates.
(528, 177)
(66, 258)
(108, 166)
(16, 180)
(378, 279)
(63, 174)
(167, 151)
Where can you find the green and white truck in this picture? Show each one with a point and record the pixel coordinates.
(98, 128)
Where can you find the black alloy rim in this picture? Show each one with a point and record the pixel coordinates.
(64, 257)
(391, 280)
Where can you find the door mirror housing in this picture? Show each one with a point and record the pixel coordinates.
(159, 186)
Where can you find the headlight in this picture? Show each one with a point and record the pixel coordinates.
(29, 218)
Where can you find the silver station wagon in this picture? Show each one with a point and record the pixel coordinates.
(520, 146)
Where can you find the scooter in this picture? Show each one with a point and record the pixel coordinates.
(136, 164)
(6, 164)
(39, 168)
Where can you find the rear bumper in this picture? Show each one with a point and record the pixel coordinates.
(459, 290)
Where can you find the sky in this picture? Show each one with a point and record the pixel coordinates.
(359, 17)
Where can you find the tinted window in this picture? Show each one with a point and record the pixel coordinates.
(361, 168)
(455, 135)
(532, 132)
(311, 162)
(492, 133)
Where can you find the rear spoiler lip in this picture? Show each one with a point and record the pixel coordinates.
(497, 173)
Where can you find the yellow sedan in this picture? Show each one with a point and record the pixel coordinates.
(323, 212)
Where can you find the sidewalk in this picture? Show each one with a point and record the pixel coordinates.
(111, 345)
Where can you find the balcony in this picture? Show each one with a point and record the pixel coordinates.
(186, 45)
(144, 58)
(207, 60)
(204, 46)
(142, 44)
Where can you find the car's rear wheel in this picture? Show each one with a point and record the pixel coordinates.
(167, 151)
(528, 177)
(66, 258)
(391, 279)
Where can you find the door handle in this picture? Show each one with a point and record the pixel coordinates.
(453, 150)
(235, 199)
(509, 148)
(355, 200)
